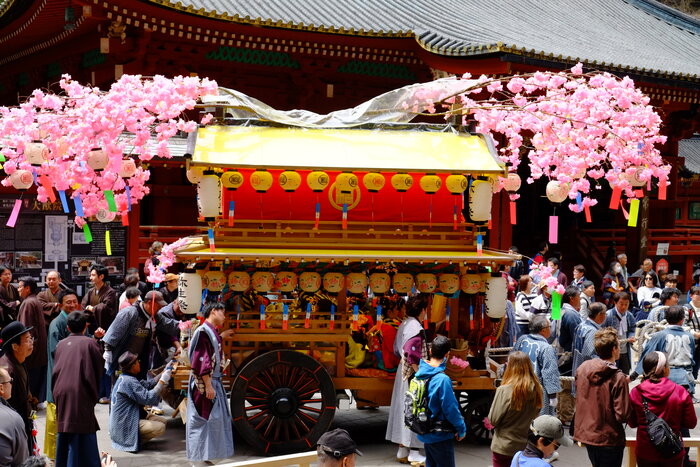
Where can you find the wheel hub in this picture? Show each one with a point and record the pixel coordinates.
(283, 402)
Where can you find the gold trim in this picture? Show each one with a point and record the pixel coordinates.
(6, 6)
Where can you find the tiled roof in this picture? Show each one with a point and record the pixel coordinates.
(690, 149)
(641, 36)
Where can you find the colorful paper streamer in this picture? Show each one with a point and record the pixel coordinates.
(379, 314)
(345, 217)
(15, 213)
(212, 243)
(662, 189)
(553, 229)
(127, 191)
(317, 215)
(479, 244)
(231, 212)
(64, 201)
(109, 197)
(285, 317)
(108, 244)
(634, 213)
(87, 232)
(556, 305)
(355, 318)
(447, 317)
(615, 198)
(262, 316)
(46, 183)
(332, 323)
(78, 206)
(513, 213)
(125, 219)
(307, 318)
(587, 210)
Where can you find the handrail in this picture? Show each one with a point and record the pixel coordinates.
(302, 459)
(631, 442)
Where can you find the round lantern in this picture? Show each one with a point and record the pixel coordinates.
(261, 180)
(238, 281)
(21, 179)
(635, 178)
(216, 280)
(36, 152)
(580, 173)
(346, 182)
(379, 282)
(97, 159)
(309, 281)
(209, 196)
(317, 181)
(430, 183)
(449, 283)
(456, 184)
(203, 275)
(232, 180)
(556, 191)
(495, 185)
(356, 282)
(194, 174)
(289, 180)
(189, 292)
(263, 281)
(480, 201)
(402, 182)
(333, 282)
(105, 215)
(483, 277)
(512, 183)
(426, 283)
(127, 168)
(373, 181)
(402, 283)
(286, 281)
(470, 283)
(496, 296)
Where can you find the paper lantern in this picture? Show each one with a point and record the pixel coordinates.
(456, 184)
(495, 185)
(333, 282)
(470, 283)
(216, 280)
(379, 282)
(263, 281)
(209, 196)
(189, 292)
(127, 168)
(36, 152)
(356, 282)
(480, 201)
(346, 182)
(232, 180)
(317, 181)
(105, 215)
(205, 280)
(286, 281)
(194, 174)
(310, 281)
(238, 281)
(261, 180)
(512, 183)
(449, 283)
(22, 179)
(483, 277)
(289, 180)
(97, 159)
(426, 283)
(635, 178)
(557, 191)
(496, 296)
(580, 173)
(402, 283)
(402, 182)
(373, 181)
(430, 183)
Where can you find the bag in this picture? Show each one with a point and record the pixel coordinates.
(661, 435)
(51, 431)
(417, 415)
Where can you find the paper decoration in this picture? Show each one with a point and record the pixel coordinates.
(263, 281)
(209, 196)
(285, 317)
(355, 318)
(87, 232)
(286, 281)
(430, 183)
(64, 201)
(212, 242)
(402, 182)
(108, 244)
(557, 191)
(231, 212)
(262, 316)
(317, 181)
(426, 282)
(346, 182)
(553, 229)
(332, 323)
(216, 280)
(449, 283)
(125, 219)
(447, 317)
(109, 196)
(379, 314)
(15, 213)
(78, 207)
(238, 281)
(333, 282)
(556, 305)
(615, 198)
(374, 182)
(587, 210)
(232, 180)
(356, 282)
(662, 189)
(46, 183)
(189, 292)
(479, 245)
(634, 213)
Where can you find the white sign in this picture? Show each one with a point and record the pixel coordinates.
(56, 238)
(662, 249)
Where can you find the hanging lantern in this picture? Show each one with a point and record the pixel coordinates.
(512, 183)
(495, 184)
(373, 181)
(333, 282)
(402, 283)
(379, 282)
(426, 283)
(496, 296)
(430, 183)
(317, 181)
(456, 184)
(580, 173)
(232, 180)
(346, 182)
(470, 283)
(635, 178)
(238, 281)
(289, 180)
(286, 281)
(216, 280)
(36, 152)
(480, 201)
(449, 283)
(127, 168)
(356, 282)
(261, 180)
(263, 281)
(310, 281)
(402, 182)
(194, 174)
(209, 196)
(483, 277)
(203, 274)
(189, 292)
(557, 191)
(97, 159)
(22, 179)
(105, 215)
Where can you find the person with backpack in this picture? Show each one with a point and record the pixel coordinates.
(433, 411)
(664, 399)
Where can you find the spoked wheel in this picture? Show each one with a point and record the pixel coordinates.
(282, 402)
(476, 411)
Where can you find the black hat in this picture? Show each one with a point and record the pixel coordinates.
(11, 332)
(338, 443)
(126, 360)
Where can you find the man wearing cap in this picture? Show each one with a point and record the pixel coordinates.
(13, 438)
(336, 448)
(49, 297)
(133, 330)
(76, 378)
(170, 290)
(31, 313)
(545, 436)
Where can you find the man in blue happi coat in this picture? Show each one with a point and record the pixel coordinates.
(583, 341)
(620, 318)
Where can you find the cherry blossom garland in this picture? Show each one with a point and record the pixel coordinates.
(546, 279)
(166, 258)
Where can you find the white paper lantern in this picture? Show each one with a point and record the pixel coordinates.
(470, 283)
(286, 281)
(216, 280)
(36, 152)
(189, 292)
(127, 169)
(356, 282)
(238, 281)
(512, 183)
(379, 282)
(209, 196)
(483, 278)
(402, 282)
(426, 283)
(194, 174)
(480, 201)
(310, 281)
(105, 215)
(496, 296)
(263, 281)
(21, 179)
(449, 283)
(557, 191)
(97, 159)
(635, 177)
(333, 282)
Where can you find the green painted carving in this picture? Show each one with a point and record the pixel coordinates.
(252, 56)
(384, 70)
(93, 58)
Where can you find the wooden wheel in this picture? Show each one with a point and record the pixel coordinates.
(282, 402)
(474, 413)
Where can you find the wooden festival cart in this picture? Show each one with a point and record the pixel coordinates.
(285, 373)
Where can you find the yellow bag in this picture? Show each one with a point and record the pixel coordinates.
(51, 431)
(356, 354)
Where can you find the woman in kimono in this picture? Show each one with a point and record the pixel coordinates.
(410, 347)
(209, 432)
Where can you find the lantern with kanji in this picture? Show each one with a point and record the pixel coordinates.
(36, 152)
(232, 180)
(286, 281)
(402, 182)
(309, 281)
(261, 180)
(373, 181)
(238, 281)
(97, 159)
(22, 179)
(317, 181)
(289, 180)
(209, 196)
(189, 292)
(263, 281)
(496, 296)
(456, 184)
